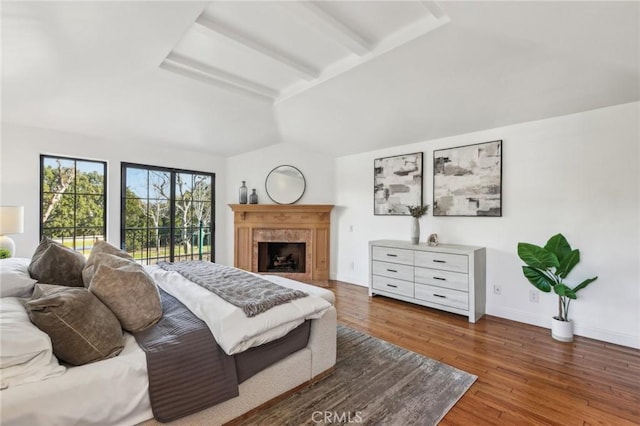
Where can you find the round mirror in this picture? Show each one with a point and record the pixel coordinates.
(285, 184)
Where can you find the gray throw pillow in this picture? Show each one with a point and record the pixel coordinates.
(130, 293)
(82, 329)
(53, 263)
(100, 247)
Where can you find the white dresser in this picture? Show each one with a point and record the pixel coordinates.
(447, 277)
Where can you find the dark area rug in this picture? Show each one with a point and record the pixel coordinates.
(374, 382)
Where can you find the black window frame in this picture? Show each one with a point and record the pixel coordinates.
(173, 171)
(42, 228)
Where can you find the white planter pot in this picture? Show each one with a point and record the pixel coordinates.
(562, 330)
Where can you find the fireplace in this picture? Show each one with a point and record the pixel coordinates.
(282, 257)
(287, 240)
(288, 246)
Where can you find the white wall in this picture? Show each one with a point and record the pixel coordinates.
(20, 151)
(253, 167)
(576, 174)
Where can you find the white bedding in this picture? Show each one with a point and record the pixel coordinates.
(233, 330)
(115, 391)
(108, 392)
(26, 353)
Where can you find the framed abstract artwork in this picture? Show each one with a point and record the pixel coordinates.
(467, 180)
(397, 184)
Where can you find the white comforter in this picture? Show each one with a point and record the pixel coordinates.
(233, 330)
(114, 391)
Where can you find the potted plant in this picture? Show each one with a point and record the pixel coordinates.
(416, 212)
(547, 267)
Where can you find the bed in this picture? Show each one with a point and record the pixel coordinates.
(114, 391)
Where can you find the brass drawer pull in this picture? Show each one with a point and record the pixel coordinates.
(439, 295)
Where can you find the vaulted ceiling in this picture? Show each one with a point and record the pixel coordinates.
(276, 50)
(337, 77)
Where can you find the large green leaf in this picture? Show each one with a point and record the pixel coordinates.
(538, 279)
(584, 283)
(568, 262)
(537, 257)
(564, 291)
(559, 246)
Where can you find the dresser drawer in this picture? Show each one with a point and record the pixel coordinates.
(443, 261)
(446, 279)
(387, 254)
(392, 270)
(442, 296)
(392, 285)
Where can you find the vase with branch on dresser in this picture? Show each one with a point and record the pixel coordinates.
(416, 213)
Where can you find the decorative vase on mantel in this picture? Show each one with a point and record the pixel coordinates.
(253, 198)
(243, 193)
(415, 230)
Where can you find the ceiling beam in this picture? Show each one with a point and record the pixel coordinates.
(329, 25)
(304, 71)
(434, 17)
(210, 75)
(222, 75)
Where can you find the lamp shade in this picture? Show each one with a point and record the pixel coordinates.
(11, 220)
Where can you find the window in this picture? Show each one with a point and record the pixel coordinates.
(73, 201)
(167, 214)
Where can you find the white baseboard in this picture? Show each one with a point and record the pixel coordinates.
(609, 336)
(351, 279)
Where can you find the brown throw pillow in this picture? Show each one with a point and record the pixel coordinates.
(43, 289)
(130, 293)
(82, 329)
(100, 247)
(53, 263)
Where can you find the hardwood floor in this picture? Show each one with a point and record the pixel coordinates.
(524, 376)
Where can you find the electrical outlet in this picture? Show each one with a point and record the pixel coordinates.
(533, 296)
(497, 290)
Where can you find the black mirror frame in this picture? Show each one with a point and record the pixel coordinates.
(304, 184)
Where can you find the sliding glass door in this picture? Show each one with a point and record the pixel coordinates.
(167, 214)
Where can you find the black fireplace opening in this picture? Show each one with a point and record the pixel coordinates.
(282, 257)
